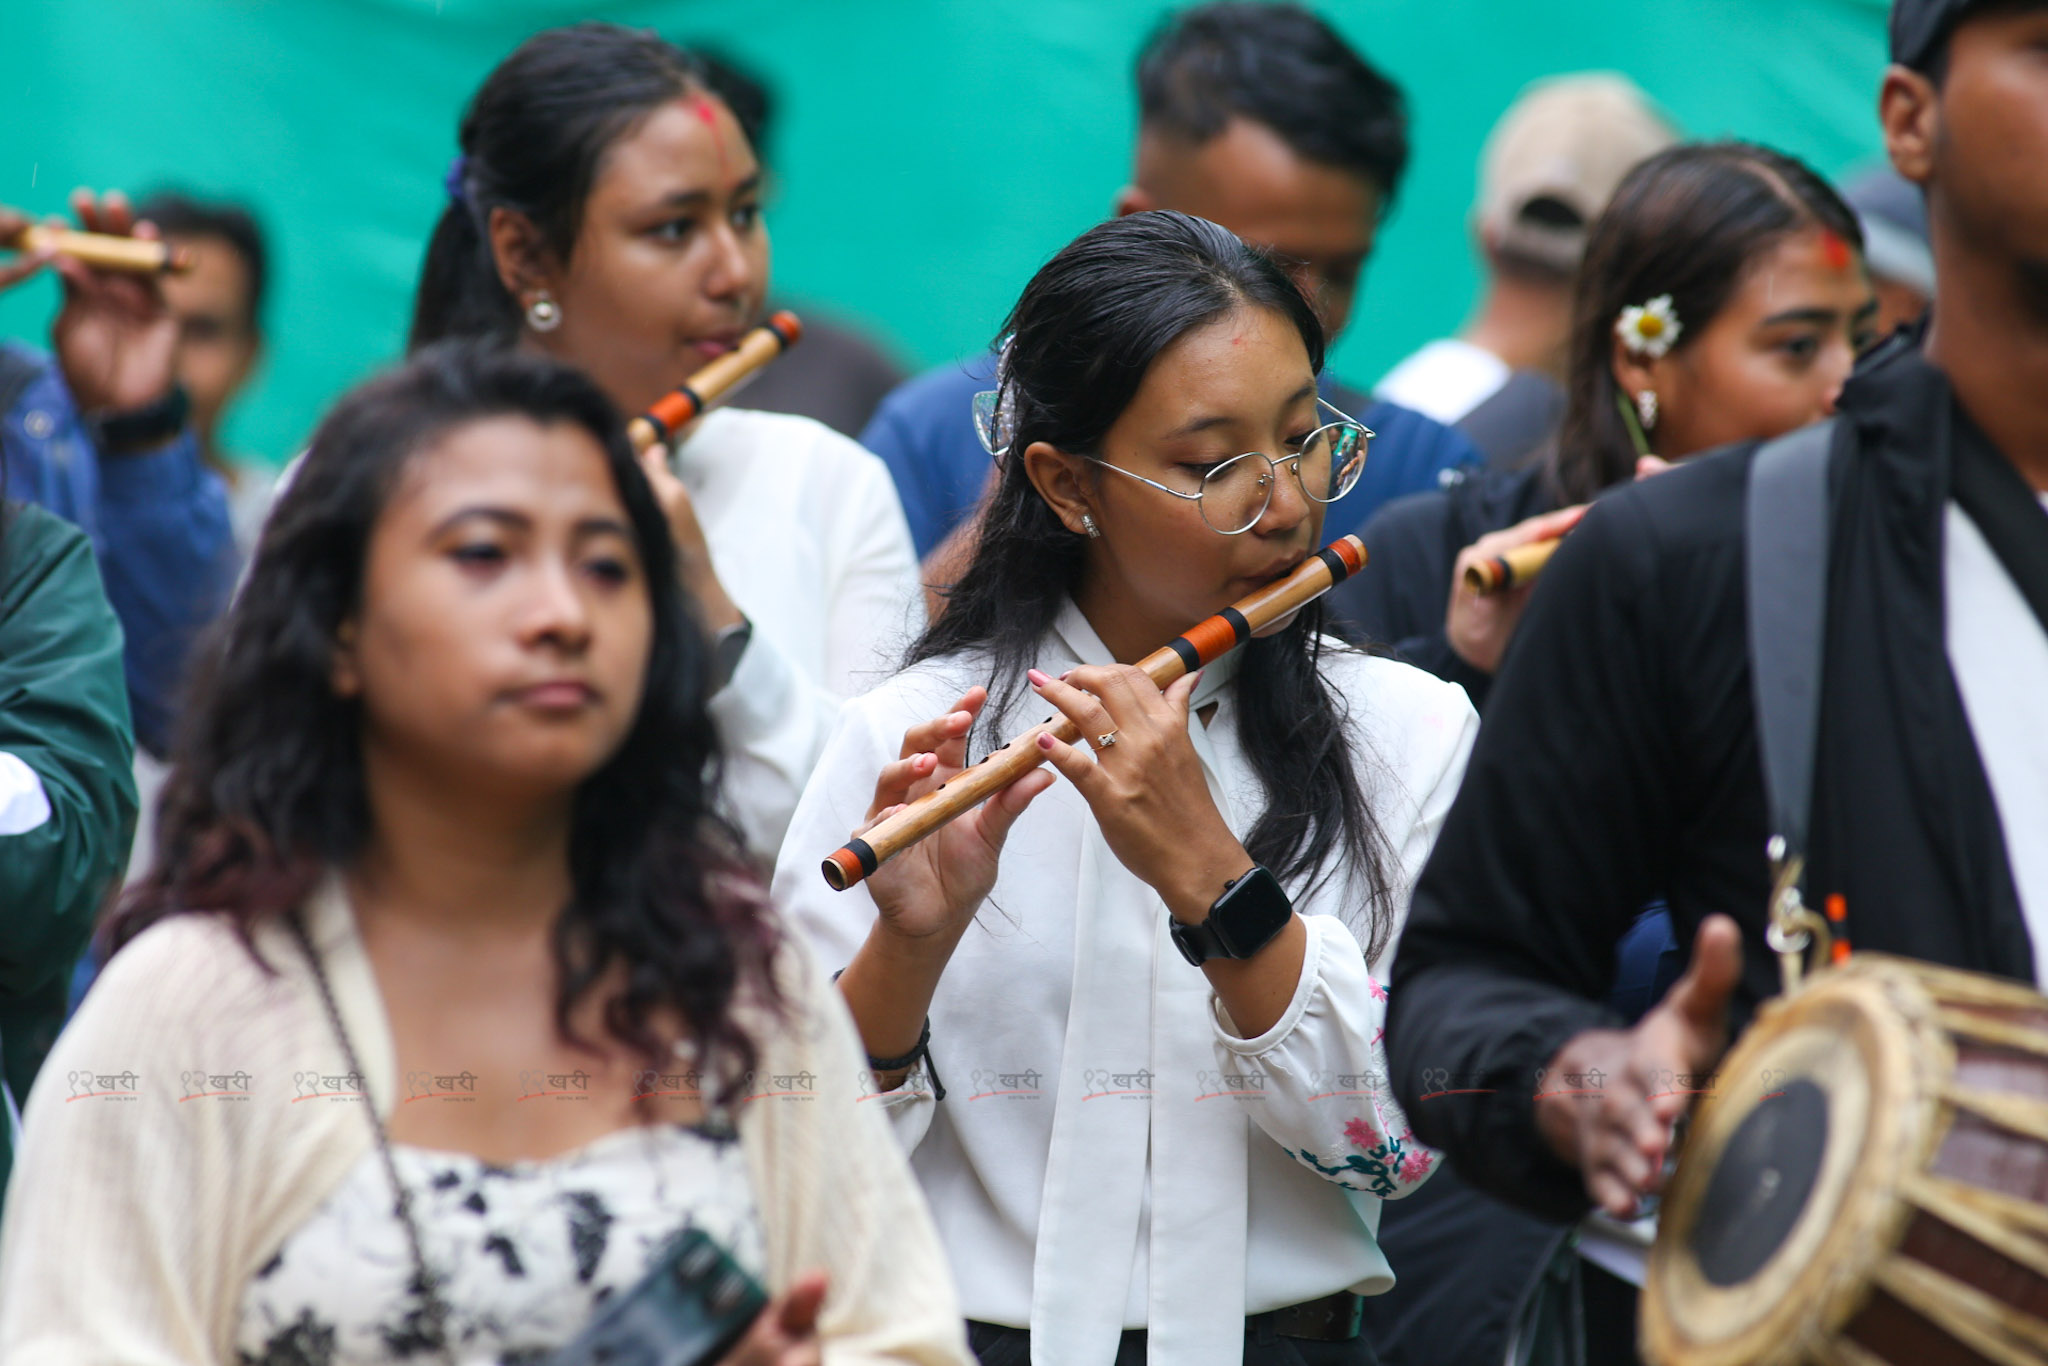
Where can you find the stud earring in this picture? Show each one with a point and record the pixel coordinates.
(1646, 408)
(543, 314)
(1088, 525)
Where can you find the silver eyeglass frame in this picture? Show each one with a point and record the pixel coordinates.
(1272, 474)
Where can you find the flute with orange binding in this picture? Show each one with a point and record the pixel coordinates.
(715, 381)
(105, 251)
(1201, 644)
(1512, 569)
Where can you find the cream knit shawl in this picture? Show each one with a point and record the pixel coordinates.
(138, 1211)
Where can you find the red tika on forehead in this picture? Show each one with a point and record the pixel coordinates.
(1834, 250)
(708, 116)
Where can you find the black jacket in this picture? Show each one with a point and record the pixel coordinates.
(1618, 762)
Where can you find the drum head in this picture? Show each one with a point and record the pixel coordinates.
(1784, 1199)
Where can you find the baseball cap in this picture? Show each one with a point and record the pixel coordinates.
(1554, 159)
(1919, 27)
(1893, 214)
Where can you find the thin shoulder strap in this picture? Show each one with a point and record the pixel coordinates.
(1786, 561)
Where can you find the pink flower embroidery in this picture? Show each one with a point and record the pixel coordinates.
(1379, 993)
(1361, 1135)
(1415, 1166)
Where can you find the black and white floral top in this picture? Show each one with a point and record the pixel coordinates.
(525, 1254)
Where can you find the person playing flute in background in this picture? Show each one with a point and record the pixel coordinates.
(98, 433)
(1692, 328)
(607, 148)
(1143, 1159)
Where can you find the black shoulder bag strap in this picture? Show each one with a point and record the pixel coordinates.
(1785, 557)
(1785, 553)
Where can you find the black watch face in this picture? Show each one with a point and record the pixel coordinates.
(1250, 914)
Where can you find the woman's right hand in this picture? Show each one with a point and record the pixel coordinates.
(786, 1333)
(931, 890)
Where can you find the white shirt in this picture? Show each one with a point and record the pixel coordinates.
(809, 540)
(2000, 657)
(1445, 379)
(1110, 1152)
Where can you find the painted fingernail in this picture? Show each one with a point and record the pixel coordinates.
(1067, 675)
(1037, 679)
(1045, 742)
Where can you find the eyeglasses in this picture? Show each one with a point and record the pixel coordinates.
(1236, 493)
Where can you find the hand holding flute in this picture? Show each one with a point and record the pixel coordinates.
(1490, 585)
(114, 338)
(653, 431)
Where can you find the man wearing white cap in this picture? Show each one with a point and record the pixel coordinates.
(1549, 167)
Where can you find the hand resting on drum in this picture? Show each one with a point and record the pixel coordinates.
(1617, 1133)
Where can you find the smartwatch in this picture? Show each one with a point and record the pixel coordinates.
(1252, 910)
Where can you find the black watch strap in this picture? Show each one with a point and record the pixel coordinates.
(127, 430)
(1252, 910)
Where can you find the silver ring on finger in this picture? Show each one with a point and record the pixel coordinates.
(1105, 740)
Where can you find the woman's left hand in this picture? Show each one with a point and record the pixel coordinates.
(693, 551)
(1145, 787)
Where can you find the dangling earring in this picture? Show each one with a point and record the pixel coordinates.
(1646, 408)
(543, 314)
(1088, 525)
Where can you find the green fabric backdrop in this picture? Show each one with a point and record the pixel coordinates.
(929, 153)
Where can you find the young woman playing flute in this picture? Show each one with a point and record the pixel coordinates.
(1723, 297)
(1135, 1157)
(606, 211)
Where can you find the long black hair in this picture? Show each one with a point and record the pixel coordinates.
(1688, 222)
(532, 140)
(1082, 337)
(268, 794)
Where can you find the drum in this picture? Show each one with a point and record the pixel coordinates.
(1866, 1181)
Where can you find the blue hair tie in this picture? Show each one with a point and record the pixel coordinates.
(452, 182)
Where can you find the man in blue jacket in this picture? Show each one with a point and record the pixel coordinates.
(98, 434)
(1261, 118)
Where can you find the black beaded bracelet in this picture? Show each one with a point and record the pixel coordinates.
(909, 1060)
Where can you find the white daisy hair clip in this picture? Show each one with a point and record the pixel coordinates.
(1649, 329)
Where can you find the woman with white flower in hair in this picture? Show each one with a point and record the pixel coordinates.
(1723, 297)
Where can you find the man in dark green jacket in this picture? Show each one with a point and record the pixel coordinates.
(67, 790)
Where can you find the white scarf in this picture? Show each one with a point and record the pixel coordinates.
(1139, 1007)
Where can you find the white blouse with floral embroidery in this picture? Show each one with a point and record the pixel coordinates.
(1110, 1152)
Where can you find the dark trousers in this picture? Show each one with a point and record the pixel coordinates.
(998, 1346)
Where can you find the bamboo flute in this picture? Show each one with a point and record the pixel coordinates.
(1510, 570)
(1201, 644)
(105, 251)
(715, 381)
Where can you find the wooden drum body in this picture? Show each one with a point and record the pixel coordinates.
(1866, 1181)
